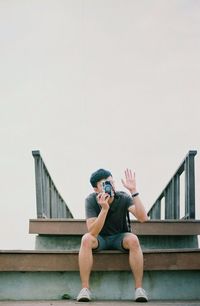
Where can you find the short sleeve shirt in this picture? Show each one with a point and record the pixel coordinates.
(116, 219)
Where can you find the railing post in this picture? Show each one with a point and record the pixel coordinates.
(190, 186)
(39, 184)
(158, 210)
(167, 204)
(176, 197)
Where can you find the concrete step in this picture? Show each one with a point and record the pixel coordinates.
(47, 275)
(65, 234)
(35, 260)
(76, 227)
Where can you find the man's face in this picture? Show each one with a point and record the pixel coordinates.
(99, 187)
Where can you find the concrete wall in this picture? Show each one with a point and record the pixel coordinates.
(47, 242)
(160, 285)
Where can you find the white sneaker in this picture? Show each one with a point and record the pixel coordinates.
(84, 295)
(140, 295)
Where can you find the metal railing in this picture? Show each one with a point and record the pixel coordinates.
(171, 193)
(50, 204)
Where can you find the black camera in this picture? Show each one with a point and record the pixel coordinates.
(108, 188)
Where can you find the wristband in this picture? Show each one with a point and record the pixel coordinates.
(134, 194)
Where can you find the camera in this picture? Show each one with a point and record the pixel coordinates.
(108, 188)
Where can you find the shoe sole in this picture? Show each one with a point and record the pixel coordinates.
(84, 299)
(141, 300)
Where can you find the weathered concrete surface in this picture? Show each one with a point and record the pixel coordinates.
(47, 242)
(99, 303)
(159, 285)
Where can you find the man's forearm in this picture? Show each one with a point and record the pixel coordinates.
(140, 210)
(95, 228)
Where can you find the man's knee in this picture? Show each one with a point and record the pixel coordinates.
(131, 241)
(88, 241)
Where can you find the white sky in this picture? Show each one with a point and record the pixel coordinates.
(94, 83)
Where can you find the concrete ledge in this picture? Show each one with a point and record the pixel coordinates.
(149, 228)
(187, 259)
(70, 242)
(159, 285)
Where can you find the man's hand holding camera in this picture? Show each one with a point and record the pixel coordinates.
(102, 200)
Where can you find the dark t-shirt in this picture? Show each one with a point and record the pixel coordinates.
(116, 219)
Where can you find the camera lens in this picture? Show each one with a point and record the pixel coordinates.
(107, 188)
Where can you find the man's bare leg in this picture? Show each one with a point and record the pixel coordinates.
(131, 243)
(88, 242)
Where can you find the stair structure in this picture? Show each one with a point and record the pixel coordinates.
(170, 248)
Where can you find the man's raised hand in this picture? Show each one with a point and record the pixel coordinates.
(129, 182)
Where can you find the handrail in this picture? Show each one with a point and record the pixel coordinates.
(171, 193)
(50, 203)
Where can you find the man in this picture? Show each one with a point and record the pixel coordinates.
(106, 219)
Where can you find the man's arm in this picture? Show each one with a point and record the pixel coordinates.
(137, 209)
(95, 225)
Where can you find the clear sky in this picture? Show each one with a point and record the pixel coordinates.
(94, 83)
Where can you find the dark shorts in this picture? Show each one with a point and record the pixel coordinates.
(113, 242)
